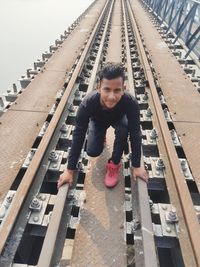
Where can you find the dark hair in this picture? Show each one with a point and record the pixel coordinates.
(111, 71)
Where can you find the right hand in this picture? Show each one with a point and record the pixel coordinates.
(65, 178)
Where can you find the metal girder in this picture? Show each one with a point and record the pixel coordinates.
(181, 17)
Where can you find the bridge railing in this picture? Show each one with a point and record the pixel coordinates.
(182, 17)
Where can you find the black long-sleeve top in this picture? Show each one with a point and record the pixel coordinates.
(91, 108)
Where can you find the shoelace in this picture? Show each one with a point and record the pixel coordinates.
(112, 171)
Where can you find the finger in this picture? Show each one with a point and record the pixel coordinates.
(60, 183)
(144, 178)
(134, 178)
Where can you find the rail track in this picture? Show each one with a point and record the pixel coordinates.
(161, 225)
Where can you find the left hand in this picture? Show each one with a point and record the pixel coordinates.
(140, 173)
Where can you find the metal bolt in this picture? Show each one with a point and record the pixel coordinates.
(168, 229)
(164, 207)
(3, 212)
(151, 203)
(173, 134)
(145, 97)
(1, 102)
(46, 124)
(42, 197)
(172, 216)
(35, 218)
(136, 225)
(71, 108)
(183, 165)
(149, 112)
(35, 203)
(160, 164)
(53, 156)
(10, 198)
(64, 128)
(77, 93)
(153, 134)
(54, 166)
(166, 113)
(197, 208)
(162, 99)
(127, 198)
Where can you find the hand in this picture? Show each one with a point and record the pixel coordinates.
(140, 173)
(65, 178)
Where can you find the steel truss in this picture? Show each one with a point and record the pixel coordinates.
(181, 17)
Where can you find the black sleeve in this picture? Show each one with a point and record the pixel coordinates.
(81, 125)
(133, 114)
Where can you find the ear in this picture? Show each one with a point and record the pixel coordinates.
(124, 86)
(98, 86)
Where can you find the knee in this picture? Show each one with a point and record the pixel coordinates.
(93, 153)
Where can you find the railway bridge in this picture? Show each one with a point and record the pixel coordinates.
(87, 224)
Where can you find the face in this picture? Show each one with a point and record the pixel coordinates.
(111, 92)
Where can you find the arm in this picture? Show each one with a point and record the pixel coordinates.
(135, 138)
(78, 138)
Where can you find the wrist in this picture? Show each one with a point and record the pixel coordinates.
(70, 171)
(136, 167)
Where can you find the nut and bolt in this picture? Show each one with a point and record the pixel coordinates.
(166, 113)
(64, 128)
(71, 108)
(149, 112)
(160, 165)
(171, 216)
(35, 205)
(145, 97)
(53, 156)
(153, 134)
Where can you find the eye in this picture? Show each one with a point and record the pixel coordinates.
(118, 90)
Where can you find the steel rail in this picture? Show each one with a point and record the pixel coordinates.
(98, 57)
(22, 191)
(187, 207)
(148, 243)
(48, 247)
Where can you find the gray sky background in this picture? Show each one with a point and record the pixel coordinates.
(27, 29)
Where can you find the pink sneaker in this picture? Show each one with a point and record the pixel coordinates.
(111, 178)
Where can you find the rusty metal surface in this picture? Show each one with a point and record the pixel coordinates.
(145, 250)
(15, 142)
(114, 47)
(183, 195)
(18, 131)
(100, 237)
(181, 96)
(48, 247)
(26, 182)
(188, 133)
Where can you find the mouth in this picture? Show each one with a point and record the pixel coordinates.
(110, 104)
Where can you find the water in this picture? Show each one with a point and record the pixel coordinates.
(27, 29)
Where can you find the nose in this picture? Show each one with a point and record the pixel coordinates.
(111, 96)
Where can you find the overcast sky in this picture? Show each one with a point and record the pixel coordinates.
(27, 28)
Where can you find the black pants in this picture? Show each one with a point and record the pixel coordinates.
(96, 135)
